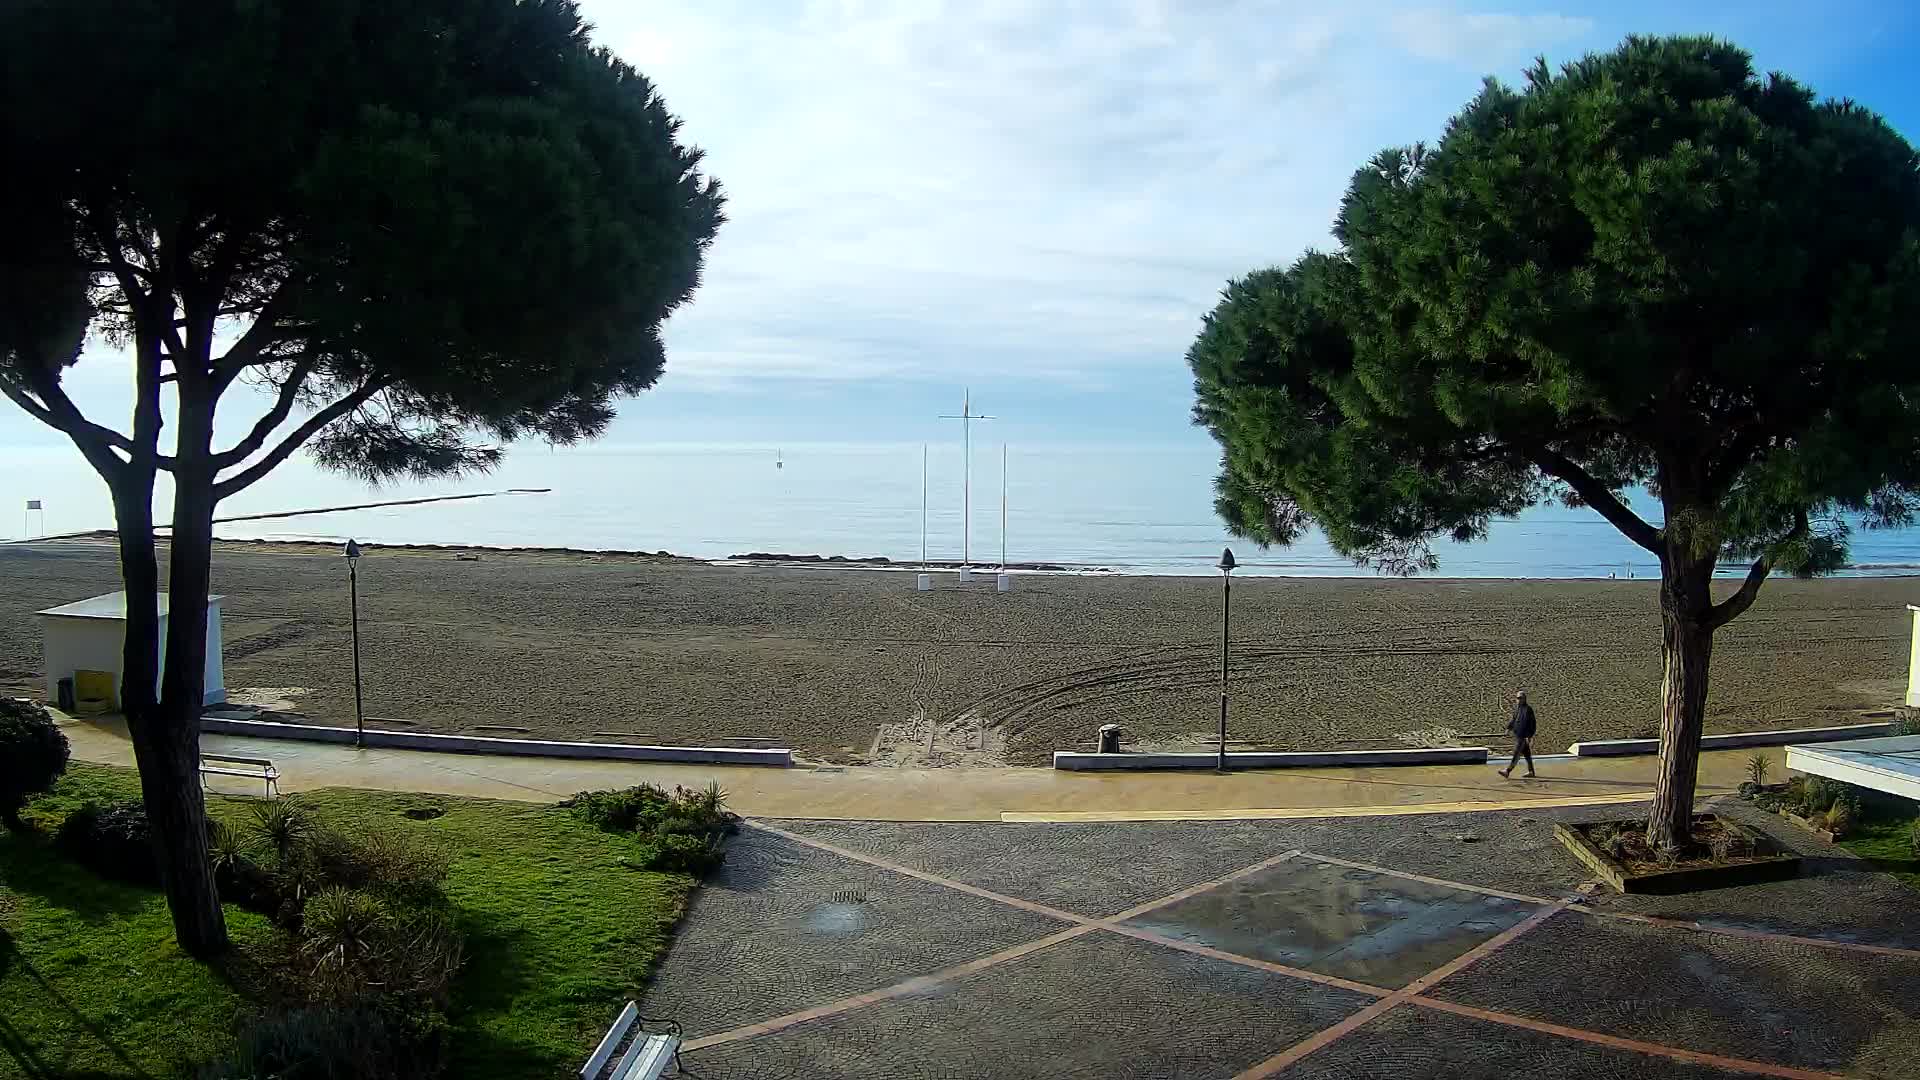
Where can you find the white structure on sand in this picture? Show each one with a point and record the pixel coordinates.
(90, 635)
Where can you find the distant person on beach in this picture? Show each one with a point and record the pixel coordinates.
(1521, 724)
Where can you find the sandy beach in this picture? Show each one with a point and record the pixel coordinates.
(855, 666)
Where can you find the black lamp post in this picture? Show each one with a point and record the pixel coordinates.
(1226, 608)
(353, 592)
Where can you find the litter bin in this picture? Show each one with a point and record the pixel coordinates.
(64, 697)
(1109, 739)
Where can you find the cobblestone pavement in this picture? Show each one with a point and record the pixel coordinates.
(1463, 946)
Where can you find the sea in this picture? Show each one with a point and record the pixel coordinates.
(1137, 509)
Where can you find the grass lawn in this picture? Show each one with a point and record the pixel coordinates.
(1885, 837)
(558, 935)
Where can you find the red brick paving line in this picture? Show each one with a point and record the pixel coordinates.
(915, 985)
(1327, 1037)
(922, 875)
(1758, 1068)
(1743, 932)
(1083, 925)
(1410, 995)
(1650, 920)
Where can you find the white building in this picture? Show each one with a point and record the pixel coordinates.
(90, 635)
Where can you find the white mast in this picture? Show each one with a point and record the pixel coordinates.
(967, 417)
(1003, 506)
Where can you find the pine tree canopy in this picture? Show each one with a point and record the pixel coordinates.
(1653, 267)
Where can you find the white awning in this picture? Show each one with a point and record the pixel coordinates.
(1891, 765)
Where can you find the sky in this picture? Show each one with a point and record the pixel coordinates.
(1039, 200)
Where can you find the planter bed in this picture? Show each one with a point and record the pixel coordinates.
(1767, 861)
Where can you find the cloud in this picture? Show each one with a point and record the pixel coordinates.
(1482, 40)
(1057, 190)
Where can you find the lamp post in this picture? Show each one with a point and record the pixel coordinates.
(353, 592)
(1226, 608)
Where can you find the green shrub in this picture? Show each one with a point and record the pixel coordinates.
(1757, 767)
(680, 853)
(634, 809)
(280, 827)
(353, 947)
(325, 1043)
(1906, 721)
(1838, 818)
(33, 754)
(396, 867)
(682, 832)
(113, 840)
(1818, 795)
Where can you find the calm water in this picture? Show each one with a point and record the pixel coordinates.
(1142, 510)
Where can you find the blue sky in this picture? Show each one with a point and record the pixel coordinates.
(1039, 199)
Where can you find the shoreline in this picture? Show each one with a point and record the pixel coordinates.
(470, 552)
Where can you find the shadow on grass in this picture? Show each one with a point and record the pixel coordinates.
(496, 970)
(15, 1045)
(30, 866)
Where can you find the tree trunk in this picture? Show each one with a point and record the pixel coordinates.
(1686, 646)
(176, 806)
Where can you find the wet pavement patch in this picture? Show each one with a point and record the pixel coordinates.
(1355, 924)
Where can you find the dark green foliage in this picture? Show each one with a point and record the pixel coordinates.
(681, 832)
(1757, 767)
(466, 203)
(324, 1043)
(33, 754)
(113, 840)
(1651, 267)
(415, 230)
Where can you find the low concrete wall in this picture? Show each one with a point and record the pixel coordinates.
(1278, 759)
(1624, 747)
(477, 744)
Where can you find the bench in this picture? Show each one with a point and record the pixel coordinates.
(253, 768)
(647, 1053)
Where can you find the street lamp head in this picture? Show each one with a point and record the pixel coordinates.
(353, 550)
(1226, 561)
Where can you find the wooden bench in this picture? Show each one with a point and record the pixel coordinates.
(647, 1053)
(253, 768)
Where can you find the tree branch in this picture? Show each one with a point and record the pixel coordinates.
(1595, 494)
(125, 272)
(1736, 605)
(240, 481)
(62, 415)
(261, 334)
(264, 427)
(57, 411)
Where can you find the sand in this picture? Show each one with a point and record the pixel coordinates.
(855, 666)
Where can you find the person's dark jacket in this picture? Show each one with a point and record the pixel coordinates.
(1522, 724)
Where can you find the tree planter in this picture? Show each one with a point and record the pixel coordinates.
(1770, 863)
(1812, 826)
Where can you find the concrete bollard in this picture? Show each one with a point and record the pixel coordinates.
(966, 574)
(923, 583)
(1003, 583)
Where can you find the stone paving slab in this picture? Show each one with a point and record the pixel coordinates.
(1356, 924)
(782, 927)
(1096, 1007)
(1766, 1001)
(1410, 1043)
(1094, 870)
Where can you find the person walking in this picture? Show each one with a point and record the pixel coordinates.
(1522, 725)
